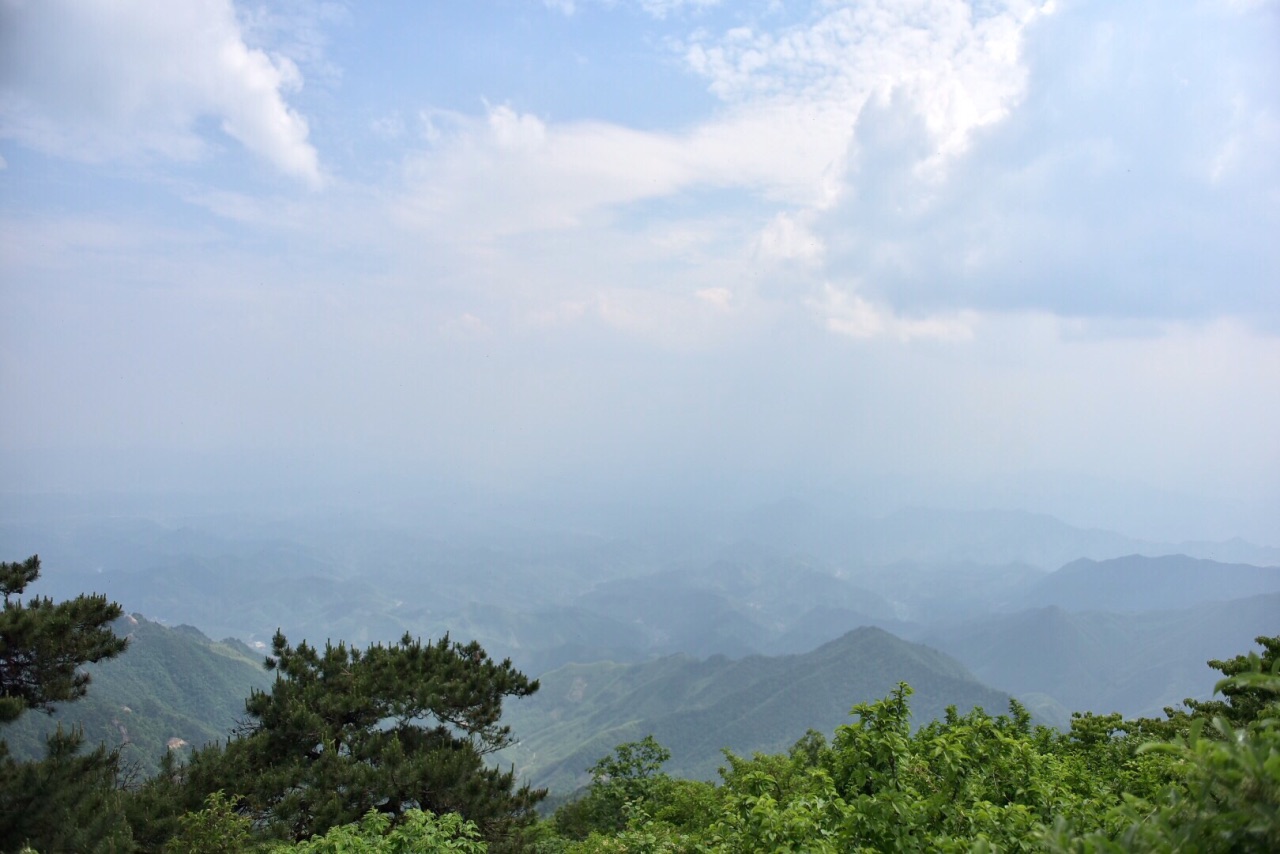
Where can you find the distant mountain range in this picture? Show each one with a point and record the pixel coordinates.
(175, 687)
(928, 535)
(345, 577)
(740, 635)
(1140, 583)
(1058, 661)
(697, 707)
(774, 605)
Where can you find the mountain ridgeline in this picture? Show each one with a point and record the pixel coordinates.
(741, 637)
(698, 708)
(1136, 583)
(1058, 661)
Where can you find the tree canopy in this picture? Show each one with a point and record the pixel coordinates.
(67, 801)
(391, 728)
(43, 643)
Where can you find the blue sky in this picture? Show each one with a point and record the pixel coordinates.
(933, 252)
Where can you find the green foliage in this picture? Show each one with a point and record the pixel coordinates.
(66, 801)
(1226, 797)
(343, 731)
(649, 839)
(417, 831)
(626, 776)
(632, 806)
(216, 829)
(879, 787)
(632, 763)
(43, 644)
(1245, 698)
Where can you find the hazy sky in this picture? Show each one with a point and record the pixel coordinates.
(999, 253)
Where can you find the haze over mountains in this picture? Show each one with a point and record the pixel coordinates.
(720, 364)
(698, 708)
(768, 622)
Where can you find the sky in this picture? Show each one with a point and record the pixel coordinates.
(926, 252)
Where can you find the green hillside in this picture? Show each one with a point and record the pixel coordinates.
(697, 707)
(171, 683)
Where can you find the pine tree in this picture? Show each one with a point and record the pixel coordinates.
(68, 801)
(392, 728)
(43, 644)
(1243, 702)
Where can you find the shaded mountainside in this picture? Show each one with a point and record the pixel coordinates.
(1139, 583)
(698, 707)
(171, 683)
(1135, 664)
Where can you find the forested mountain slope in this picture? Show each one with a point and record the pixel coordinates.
(697, 707)
(171, 683)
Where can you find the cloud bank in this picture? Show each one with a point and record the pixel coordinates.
(96, 80)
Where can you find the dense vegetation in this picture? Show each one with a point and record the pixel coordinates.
(390, 729)
(383, 750)
(68, 800)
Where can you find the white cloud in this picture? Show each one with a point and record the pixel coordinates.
(512, 131)
(1079, 203)
(721, 298)
(659, 9)
(1251, 137)
(850, 315)
(389, 127)
(562, 314)
(788, 238)
(961, 69)
(672, 322)
(514, 172)
(95, 80)
(792, 104)
(467, 327)
(662, 8)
